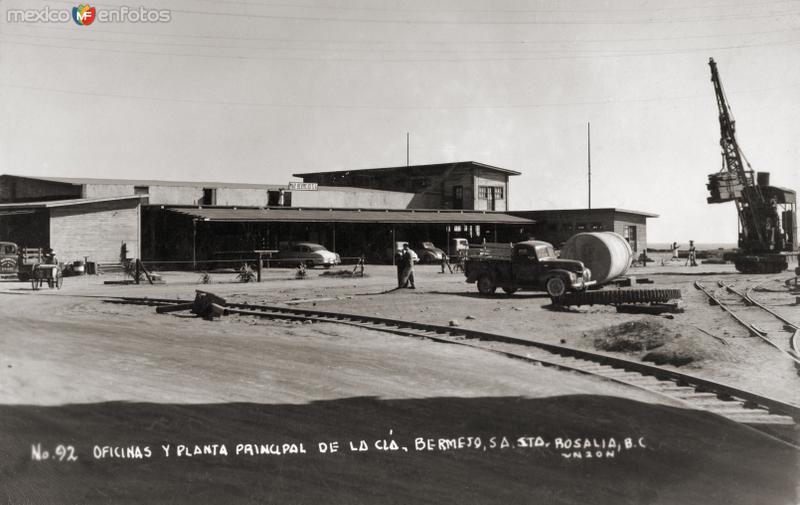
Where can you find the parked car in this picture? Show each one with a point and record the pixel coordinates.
(531, 265)
(429, 253)
(309, 253)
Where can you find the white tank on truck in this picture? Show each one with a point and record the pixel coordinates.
(607, 254)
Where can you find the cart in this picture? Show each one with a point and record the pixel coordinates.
(41, 273)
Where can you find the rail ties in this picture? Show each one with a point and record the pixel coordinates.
(792, 353)
(770, 416)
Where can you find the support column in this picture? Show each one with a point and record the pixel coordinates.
(194, 244)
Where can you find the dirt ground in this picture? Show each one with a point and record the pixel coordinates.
(77, 371)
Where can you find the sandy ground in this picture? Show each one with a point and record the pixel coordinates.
(80, 372)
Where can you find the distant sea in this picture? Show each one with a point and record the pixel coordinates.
(685, 245)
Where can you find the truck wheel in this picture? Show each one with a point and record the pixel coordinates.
(556, 287)
(510, 291)
(486, 285)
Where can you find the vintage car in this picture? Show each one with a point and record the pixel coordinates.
(8, 258)
(308, 253)
(429, 253)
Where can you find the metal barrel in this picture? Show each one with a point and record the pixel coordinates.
(606, 254)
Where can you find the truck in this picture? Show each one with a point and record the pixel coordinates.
(530, 266)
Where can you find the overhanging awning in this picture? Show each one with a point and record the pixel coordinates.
(298, 215)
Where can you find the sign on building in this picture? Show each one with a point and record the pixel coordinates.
(303, 186)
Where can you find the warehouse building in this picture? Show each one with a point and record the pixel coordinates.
(212, 221)
(353, 212)
(556, 226)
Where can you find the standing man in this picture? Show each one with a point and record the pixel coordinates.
(399, 259)
(692, 254)
(675, 252)
(408, 267)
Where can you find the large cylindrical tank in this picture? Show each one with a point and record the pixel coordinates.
(606, 254)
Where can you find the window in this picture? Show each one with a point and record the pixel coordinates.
(580, 226)
(279, 198)
(141, 190)
(629, 234)
(458, 197)
(209, 196)
(597, 226)
(544, 252)
(490, 192)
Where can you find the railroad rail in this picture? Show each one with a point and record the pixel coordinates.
(770, 416)
(793, 353)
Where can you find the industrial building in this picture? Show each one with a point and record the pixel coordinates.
(355, 213)
(556, 226)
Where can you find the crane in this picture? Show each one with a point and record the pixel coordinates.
(767, 214)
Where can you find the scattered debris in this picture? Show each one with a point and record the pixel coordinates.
(342, 273)
(454, 322)
(662, 341)
(246, 274)
(470, 317)
(653, 308)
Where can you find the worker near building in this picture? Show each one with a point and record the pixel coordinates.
(692, 254)
(446, 263)
(408, 267)
(400, 262)
(675, 247)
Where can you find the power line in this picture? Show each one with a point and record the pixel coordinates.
(406, 60)
(381, 107)
(494, 10)
(419, 42)
(326, 19)
(483, 22)
(339, 50)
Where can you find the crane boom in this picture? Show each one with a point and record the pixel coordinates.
(734, 182)
(767, 216)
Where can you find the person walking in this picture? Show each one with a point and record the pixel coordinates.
(675, 247)
(692, 254)
(399, 260)
(408, 268)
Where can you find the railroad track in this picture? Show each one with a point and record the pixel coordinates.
(773, 417)
(769, 328)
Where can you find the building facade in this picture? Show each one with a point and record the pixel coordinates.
(170, 220)
(465, 185)
(557, 226)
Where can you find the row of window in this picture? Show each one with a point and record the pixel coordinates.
(576, 226)
(276, 198)
(491, 192)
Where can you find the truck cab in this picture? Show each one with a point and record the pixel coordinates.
(530, 265)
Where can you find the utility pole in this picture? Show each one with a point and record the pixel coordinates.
(589, 156)
(408, 158)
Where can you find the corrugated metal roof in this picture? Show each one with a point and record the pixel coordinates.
(66, 203)
(350, 216)
(567, 211)
(433, 166)
(191, 184)
(150, 182)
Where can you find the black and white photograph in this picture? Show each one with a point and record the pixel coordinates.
(399, 252)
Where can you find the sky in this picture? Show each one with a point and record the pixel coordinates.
(256, 90)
